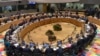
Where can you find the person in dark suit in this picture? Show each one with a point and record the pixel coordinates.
(73, 48)
(70, 39)
(10, 50)
(79, 43)
(59, 51)
(49, 52)
(37, 51)
(98, 14)
(19, 50)
(26, 51)
(52, 10)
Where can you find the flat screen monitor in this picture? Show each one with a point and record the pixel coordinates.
(32, 2)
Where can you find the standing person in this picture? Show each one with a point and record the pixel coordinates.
(48, 8)
(98, 14)
(52, 10)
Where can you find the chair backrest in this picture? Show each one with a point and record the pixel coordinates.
(37, 54)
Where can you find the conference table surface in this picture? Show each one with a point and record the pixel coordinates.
(14, 22)
(7, 25)
(38, 35)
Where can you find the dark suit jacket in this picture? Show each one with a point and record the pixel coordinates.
(49, 50)
(59, 52)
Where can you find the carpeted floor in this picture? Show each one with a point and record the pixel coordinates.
(2, 47)
(94, 48)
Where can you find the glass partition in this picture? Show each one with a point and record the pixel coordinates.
(7, 9)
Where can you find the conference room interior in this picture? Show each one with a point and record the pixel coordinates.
(49, 28)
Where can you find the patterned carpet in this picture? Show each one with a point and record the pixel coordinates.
(94, 49)
(2, 47)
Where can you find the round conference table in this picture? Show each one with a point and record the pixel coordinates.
(32, 26)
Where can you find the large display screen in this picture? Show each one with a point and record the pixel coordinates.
(8, 0)
(32, 2)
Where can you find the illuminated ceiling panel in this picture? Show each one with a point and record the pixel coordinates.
(53, 1)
